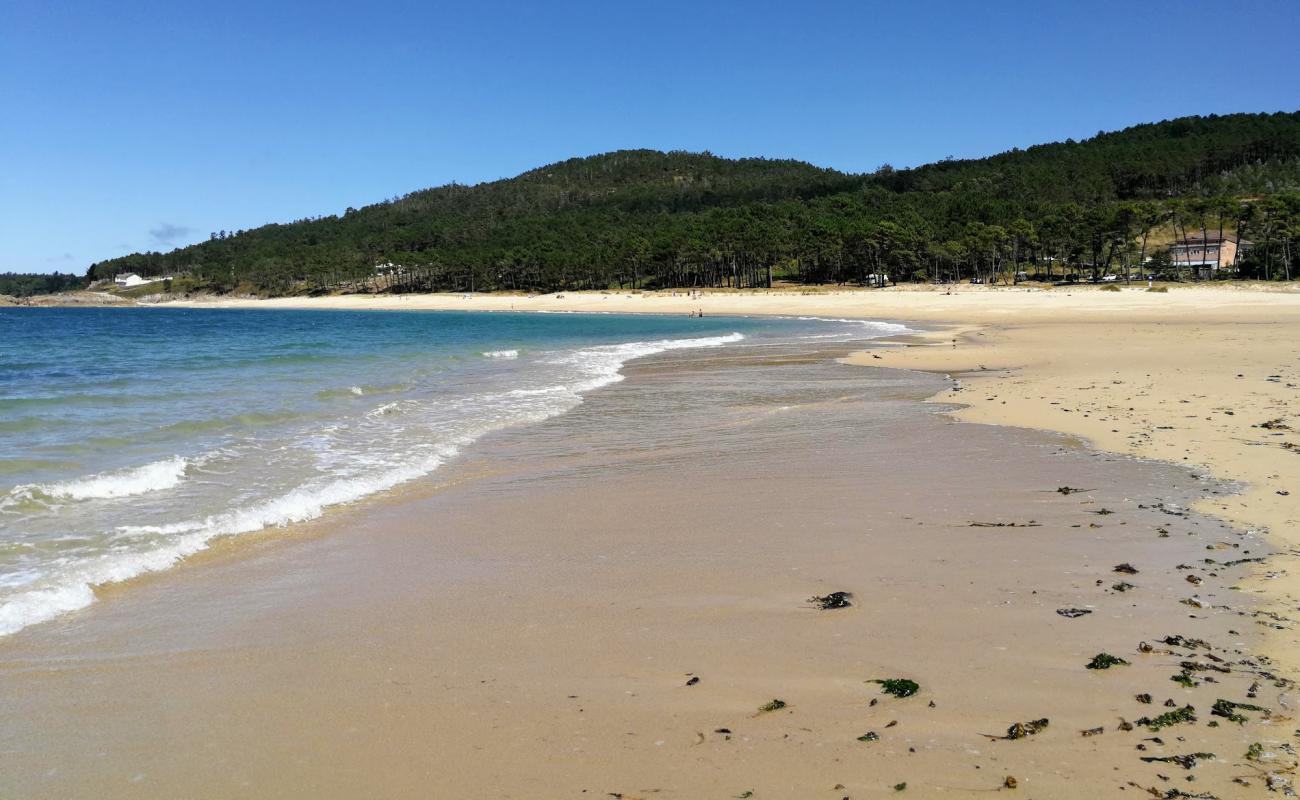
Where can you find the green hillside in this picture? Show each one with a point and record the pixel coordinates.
(18, 284)
(647, 219)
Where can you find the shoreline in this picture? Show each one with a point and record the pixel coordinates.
(403, 646)
(993, 339)
(915, 301)
(1207, 409)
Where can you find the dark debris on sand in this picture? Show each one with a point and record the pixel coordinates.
(1019, 730)
(1073, 613)
(832, 601)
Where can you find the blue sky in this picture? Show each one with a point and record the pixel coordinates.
(142, 126)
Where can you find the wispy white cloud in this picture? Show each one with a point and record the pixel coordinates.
(167, 233)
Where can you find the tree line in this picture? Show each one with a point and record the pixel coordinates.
(17, 284)
(645, 220)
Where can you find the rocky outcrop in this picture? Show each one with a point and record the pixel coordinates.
(78, 299)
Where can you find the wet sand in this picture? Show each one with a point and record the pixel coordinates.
(530, 625)
(1216, 388)
(1191, 375)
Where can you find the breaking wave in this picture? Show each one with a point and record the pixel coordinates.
(363, 455)
(153, 477)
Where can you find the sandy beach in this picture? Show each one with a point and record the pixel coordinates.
(619, 603)
(1190, 375)
(1216, 386)
(1199, 375)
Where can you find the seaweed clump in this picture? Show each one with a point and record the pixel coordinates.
(1020, 730)
(772, 705)
(832, 601)
(1185, 641)
(1186, 761)
(1185, 680)
(1185, 714)
(1228, 710)
(898, 687)
(1105, 661)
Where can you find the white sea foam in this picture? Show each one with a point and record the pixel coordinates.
(73, 588)
(602, 364)
(29, 608)
(501, 354)
(379, 411)
(364, 465)
(874, 329)
(152, 477)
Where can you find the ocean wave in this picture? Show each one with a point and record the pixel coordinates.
(603, 364)
(876, 328)
(145, 548)
(361, 391)
(238, 421)
(501, 354)
(39, 605)
(73, 589)
(58, 400)
(152, 477)
(379, 411)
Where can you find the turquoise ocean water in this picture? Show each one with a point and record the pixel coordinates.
(131, 438)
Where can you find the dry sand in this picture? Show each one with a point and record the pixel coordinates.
(940, 304)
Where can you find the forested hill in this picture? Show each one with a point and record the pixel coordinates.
(649, 219)
(1189, 156)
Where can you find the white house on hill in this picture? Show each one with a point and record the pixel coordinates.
(128, 279)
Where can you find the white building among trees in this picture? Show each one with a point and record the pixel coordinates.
(126, 280)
